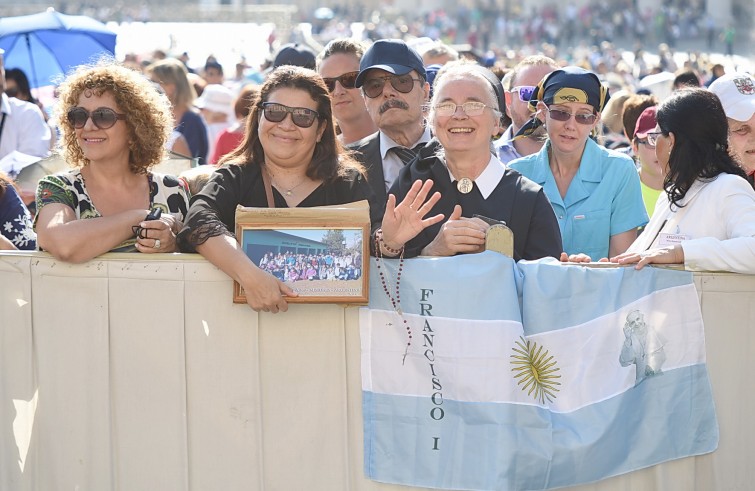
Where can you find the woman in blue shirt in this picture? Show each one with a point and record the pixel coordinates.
(595, 192)
(172, 76)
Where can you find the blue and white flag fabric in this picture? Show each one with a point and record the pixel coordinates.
(479, 373)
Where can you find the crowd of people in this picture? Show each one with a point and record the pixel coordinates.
(582, 163)
(291, 267)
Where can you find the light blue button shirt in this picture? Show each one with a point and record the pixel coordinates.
(603, 199)
(505, 148)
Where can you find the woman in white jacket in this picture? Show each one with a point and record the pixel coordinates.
(706, 217)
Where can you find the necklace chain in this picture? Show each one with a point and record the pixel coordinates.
(290, 190)
(395, 300)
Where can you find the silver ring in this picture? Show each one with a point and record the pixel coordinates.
(157, 243)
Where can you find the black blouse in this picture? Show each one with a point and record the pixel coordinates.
(517, 201)
(212, 211)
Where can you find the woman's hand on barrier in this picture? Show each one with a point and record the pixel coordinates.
(266, 293)
(458, 235)
(579, 258)
(575, 258)
(402, 222)
(665, 255)
(158, 235)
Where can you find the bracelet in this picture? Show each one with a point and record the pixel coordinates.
(383, 245)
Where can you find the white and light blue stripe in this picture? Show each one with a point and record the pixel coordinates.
(493, 435)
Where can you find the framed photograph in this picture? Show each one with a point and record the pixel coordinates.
(322, 253)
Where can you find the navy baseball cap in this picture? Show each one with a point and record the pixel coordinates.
(296, 55)
(393, 56)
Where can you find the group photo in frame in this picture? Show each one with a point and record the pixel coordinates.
(321, 253)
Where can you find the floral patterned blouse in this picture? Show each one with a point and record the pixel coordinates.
(15, 220)
(166, 192)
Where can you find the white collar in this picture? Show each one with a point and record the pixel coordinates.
(488, 180)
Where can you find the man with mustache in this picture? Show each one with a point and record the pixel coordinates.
(394, 86)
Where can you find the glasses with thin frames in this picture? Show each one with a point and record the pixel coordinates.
(646, 142)
(347, 80)
(524, 92)
(302, 117)
(102, 117)
(652, 137)
(373, 87)
(470, 108)
(581, 118)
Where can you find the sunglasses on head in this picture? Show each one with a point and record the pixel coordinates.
(581, 118)
(301, 116)
(373, 87)
(102, 117)
(347, 81)
(525, 92)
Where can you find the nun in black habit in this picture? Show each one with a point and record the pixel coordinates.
(464, 178)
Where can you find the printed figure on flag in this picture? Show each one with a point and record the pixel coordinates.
(529, 384)
(642, 347)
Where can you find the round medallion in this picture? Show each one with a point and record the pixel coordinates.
(464, 185)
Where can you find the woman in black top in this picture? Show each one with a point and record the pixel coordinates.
(466, 179)
(290, 136)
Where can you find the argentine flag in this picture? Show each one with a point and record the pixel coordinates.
(492, 375)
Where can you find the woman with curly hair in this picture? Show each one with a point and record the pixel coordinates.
(289, 157)
(114, 125)
(705, 220)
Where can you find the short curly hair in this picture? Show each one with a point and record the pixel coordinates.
(148, 115)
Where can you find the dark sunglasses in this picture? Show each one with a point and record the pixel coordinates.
(373, 87)
(102, 117)
(11, 92)
(301, 116)
(525, 92)
(581, 118)
(347, 81)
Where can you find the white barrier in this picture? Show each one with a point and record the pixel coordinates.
(133, 372)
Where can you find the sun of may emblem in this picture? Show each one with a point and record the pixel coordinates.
(535, 370)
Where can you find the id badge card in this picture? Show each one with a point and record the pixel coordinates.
(666, 240)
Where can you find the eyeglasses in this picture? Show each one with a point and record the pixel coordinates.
(11, 91)
(102, 117)
(581, 118)
(652, 137)
(470, 108)
(646, 142)
(525, 92)
(347, 81)
(373, 87)
(301, 116)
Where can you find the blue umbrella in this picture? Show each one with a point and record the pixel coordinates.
(47, 46)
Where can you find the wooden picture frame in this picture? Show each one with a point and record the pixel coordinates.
(322, 253)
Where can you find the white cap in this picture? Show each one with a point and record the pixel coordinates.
(218, 98)
(737, 94)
